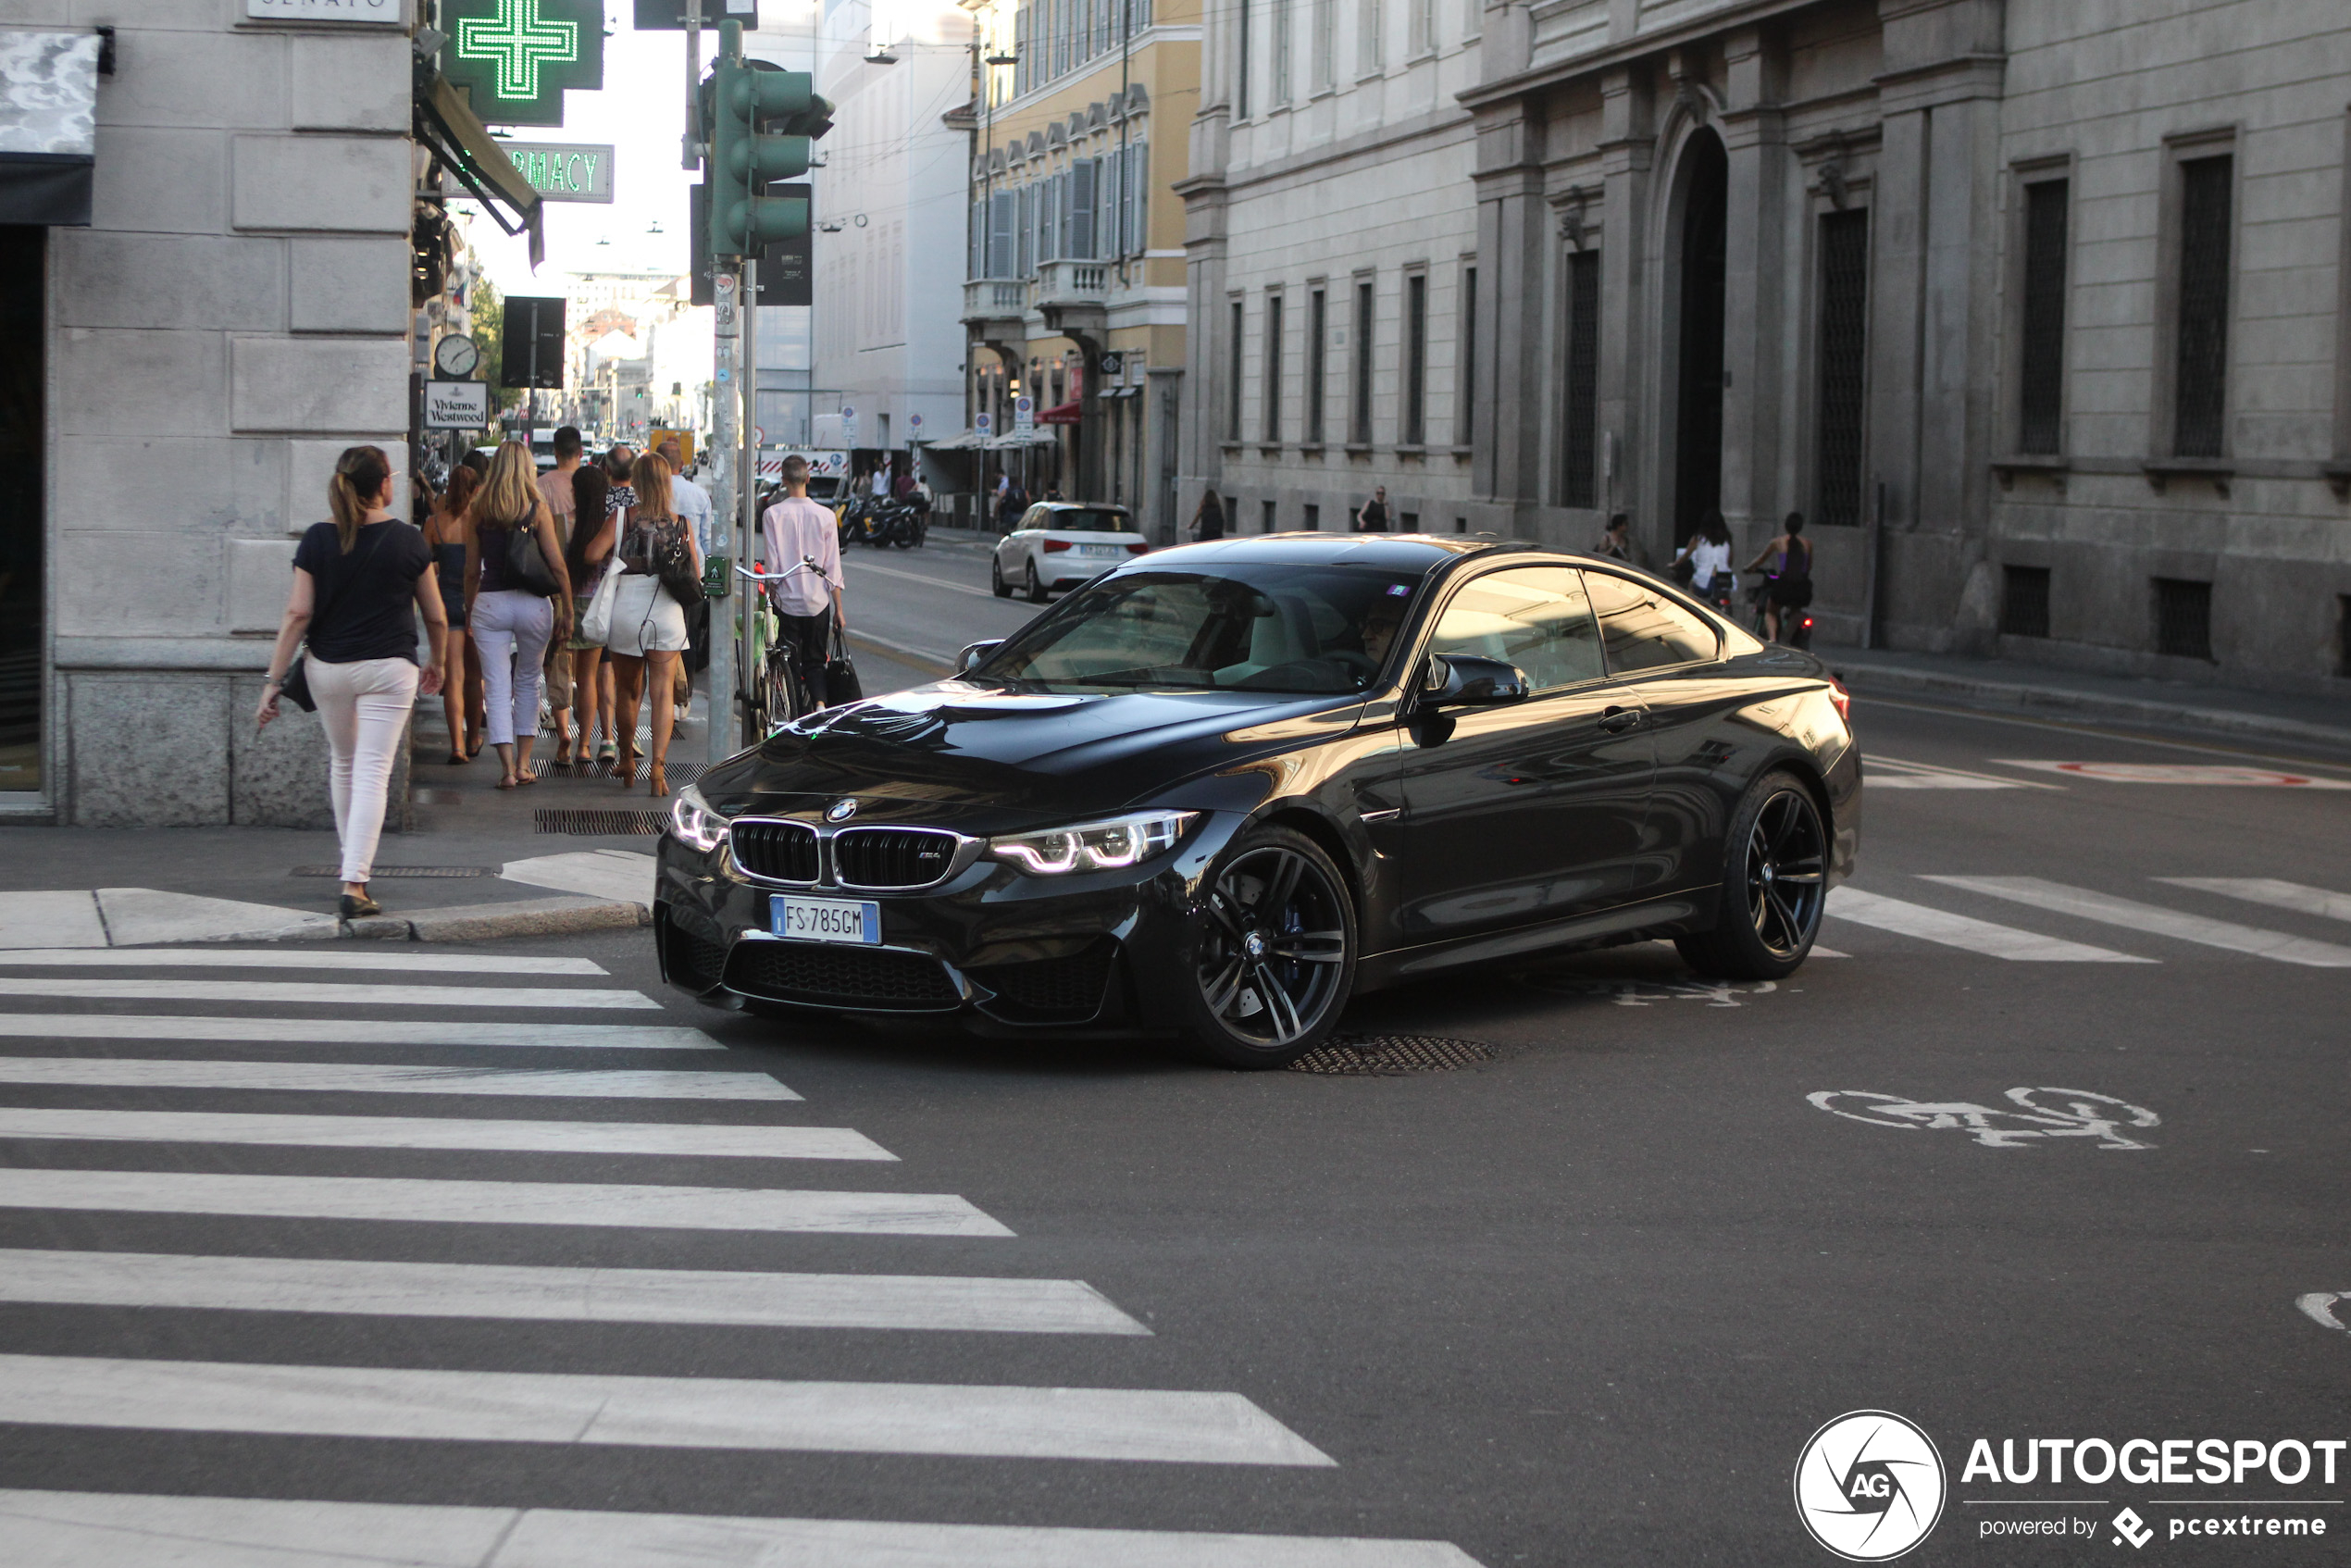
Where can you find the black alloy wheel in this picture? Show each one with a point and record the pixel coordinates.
(1274, 957)
(996, 582)
(1775, 885)
(1037, 594)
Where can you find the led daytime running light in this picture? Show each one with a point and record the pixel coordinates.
(696, 825)
(1093, 846)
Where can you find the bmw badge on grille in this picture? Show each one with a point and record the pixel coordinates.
(842, 811)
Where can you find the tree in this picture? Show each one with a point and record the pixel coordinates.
(489, 311)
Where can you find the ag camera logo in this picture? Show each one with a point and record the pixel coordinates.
(1869, 1486)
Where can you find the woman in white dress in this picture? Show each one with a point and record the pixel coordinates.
(648, 626)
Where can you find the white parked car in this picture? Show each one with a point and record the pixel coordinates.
(1063, 545)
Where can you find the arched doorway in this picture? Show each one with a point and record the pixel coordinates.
(1698, 426)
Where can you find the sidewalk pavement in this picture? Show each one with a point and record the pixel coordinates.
(2051, 692)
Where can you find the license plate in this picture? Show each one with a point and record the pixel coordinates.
(824, 920)
(1099, 550)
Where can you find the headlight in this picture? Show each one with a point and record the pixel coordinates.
(1093, 846)
(696, 824)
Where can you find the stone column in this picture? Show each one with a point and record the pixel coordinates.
(1513, 230)
(1628, 146)
(1756, 343)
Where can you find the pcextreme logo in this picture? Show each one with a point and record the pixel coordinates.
(1869, 1486)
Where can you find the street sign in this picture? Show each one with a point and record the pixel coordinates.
(561, 171)
(1112, 364)
(1024, 415)
(983, 423)
(669, 16)
(848, 425)
(915, 423)
(530, 354)
(383, 13)
(456, 406)
(758, 436)
(515, 58)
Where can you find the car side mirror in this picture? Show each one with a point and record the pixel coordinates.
(974, 652)
(1465, 680)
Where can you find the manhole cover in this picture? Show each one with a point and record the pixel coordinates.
(382, 870)
(1387, 1055)
(564, 819)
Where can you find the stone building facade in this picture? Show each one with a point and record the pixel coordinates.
(235, 312)
(2039, 312)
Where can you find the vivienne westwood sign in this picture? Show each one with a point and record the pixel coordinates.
(384, 13)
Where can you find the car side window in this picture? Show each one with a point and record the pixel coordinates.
(1033, 519)
(1536, 617)
(1644, 629)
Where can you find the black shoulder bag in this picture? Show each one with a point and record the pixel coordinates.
(295, 686)
(527, 565)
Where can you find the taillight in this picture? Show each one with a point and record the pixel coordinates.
(1054, 545)
(1138, 549)
(1842, 697)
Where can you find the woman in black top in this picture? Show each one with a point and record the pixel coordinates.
(461, 706)
(1208, 521)
(357, 584)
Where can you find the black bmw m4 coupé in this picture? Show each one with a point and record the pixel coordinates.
(1221, 789)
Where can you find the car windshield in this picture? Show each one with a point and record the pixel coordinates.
(1084, 520)
(1299, 629)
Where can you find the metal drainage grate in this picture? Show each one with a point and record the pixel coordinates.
(566, 819)
(1390, 1055)
(400, 871)
(680, 773)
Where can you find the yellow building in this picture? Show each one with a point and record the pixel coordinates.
(1075, 298)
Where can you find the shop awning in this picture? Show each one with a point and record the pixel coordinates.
(48, 127)
(447, 125)
(967, 441)
(1061, 414)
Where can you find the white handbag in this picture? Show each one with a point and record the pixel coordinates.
(596, 625)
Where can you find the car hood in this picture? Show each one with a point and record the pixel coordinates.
(979, 757)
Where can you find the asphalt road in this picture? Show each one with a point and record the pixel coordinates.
(1582, 1304)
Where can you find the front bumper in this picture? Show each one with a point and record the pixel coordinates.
(1103, 949)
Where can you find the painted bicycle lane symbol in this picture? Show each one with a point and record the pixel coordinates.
(1645, 993)
(2033, 1115)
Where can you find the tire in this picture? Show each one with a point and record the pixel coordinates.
(1776, 841)
(996, 582)
(1271, 957)
(1038, 592)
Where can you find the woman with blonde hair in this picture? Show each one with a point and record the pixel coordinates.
(648, 626)
(511, 617)
(354, 581)
(461, 693)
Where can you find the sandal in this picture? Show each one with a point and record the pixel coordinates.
(504, 784)
(458, 759)
(523, 778)
(659, 780)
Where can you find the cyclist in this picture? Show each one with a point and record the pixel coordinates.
(1787, 562)
(796, 527)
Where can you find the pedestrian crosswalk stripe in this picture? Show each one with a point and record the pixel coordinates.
(2084, 905)
(354, 1077)
(1962, 931)
(2270, 891)
(496, 1203)
(330, 956)
(685, 1139)
(354, 1032)
(244, 992)
(972, 1420)
(76, 1529)
(1892, 773)
(567, 1295)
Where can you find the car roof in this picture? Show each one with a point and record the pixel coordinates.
(1080, 507)
(1395, 552)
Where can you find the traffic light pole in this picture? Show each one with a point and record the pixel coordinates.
(747, 490)
(723, 679)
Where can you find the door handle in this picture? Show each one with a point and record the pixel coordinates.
(1616, 721)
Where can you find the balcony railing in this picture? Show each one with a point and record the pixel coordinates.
(992, 298)
(1071, 282)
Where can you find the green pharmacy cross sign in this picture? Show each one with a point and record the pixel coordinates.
(516, 57)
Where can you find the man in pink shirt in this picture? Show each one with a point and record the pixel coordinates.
(797, 528)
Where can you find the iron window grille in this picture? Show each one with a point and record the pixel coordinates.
(2343, 634)
(1465, 414)
(2024, 601)
(1317, 309)
(1580, 454)
(1360, 420)
(2199, 397)
(1232, 382)
(2041, 399)
(1844, 366)
(1273, 368)
(2183, 618)
(1416, 360)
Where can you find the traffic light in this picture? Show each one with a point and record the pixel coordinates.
(746, 156)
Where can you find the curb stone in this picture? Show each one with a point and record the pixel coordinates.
(493, 922)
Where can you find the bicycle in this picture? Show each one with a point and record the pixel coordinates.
(779, 691)
(1796, 623)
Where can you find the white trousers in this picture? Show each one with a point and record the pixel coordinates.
(510, 629)
(364, 707)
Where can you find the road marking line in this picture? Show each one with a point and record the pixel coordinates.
(1960, 931)
(2270, 891)
(73, 1529)
(319, 994)
(927, 581)
(496, 1203)
(2084, 905)
(569, 1295)
(1932, 776)
(295, 958)
(2178, 773)
(2319, 1306)
(354, 1078)
(354, 1032)
(1167, 1426)
(687, 1141)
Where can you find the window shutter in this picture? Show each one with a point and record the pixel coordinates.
(1078, 218)
(999, 236)
(1139, 191)
(1110, 208)
(975, 261)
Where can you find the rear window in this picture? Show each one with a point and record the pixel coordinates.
(1084, 520)
(1644, 629)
